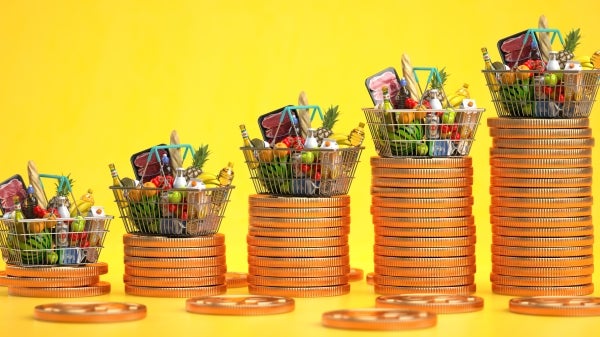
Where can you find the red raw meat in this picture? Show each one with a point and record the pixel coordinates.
(270, 124)
(153, 166)
(8, 191)
(513, 47)
(388, 79)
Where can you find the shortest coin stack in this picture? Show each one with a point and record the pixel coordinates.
(158, 266)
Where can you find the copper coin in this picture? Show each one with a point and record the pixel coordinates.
(442, 192)
(355, 274)
(540, 153)
(377, 211)
(321, 232)
(272, 201)
(90, 312)
(537, 123)
(425, 272)
(48, 282)
(541, 252)
(420, 173)
(517, 192)
(542, 202)
(448, 281)
(426, 262)
(245, 305)
(176, 272)
(236, 280)
(175, 292)
(424, 252)
(149, 262)
(298, 223)
(547, 222)
(575, 172)
(439, 304)
(424, 222)
(176, 282)
(543, 291)
(300, 291)
(299, 262)
(547, 232)
(100, 288)
(541, 133)
(544, 242)
(299, 272)
(544, 163)
(566, 212)
(148, 241)
(447, 162)
(436, 232)
(542, 271)
(544, 143)
(378, 319)
(174, 252)
(90, 269)
(422, 183)
(453, 290)
(277, 281)
(301, 213)
(422, 202)
(369, 278)
(543, 262)
(528, 281)
(395, 241)
(556, 305)
(298, 252)
(265, 241)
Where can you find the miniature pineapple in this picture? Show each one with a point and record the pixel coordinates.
(439, 85)
(200, 157)
(61, 191)
(571, 42)
(329, 119)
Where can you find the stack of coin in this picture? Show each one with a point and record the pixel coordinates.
(298, 246)
(158, 266)
(57, 282)
(541, 215)
(424, 226)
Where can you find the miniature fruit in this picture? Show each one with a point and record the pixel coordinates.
(307, 157)
(149, 189)
(422, 149)
(407, 117)
(134, 194)
(571, 43)
(550, 79)
(508, 78)
(265, 155)
(78, 225)
(280, 150)
(175, 197)
(523, 73)
(329, 119)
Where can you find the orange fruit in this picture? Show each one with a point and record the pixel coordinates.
(265, 155)
(280, 150)
(523, 73)
(407, 117)
(508, 78)
(149, 189)
(134, 194)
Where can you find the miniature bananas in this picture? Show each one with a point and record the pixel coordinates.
(83, 205)
(463, 93)
(209, 179)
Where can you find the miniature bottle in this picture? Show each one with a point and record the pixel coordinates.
(311, 141)
(552, 64)
(248, 153)
(490, 76)
(179, 181)
(117, 186)
(226, 175)
(402, 95)
(434, 101)
(29, 203)
(357, 135)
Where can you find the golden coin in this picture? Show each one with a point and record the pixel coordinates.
(300, 291)
(395, 241)
(421, 173)
(430, 162)
(547, 232)
(298, 272)
(537, 123)
(177, 282)
(575, 172)
(528, 281)
(298, 252)
(47, 282)
(400, 192)
(265, 241)
(150, 262)
(454, 290)
(378, 319)
(541, 251)
(542, 202)
(301, 213)
(421, 183)
(439, 304)
(175, 292)
(518, 192)
(148, 241)
(541, 133)
(298, 262)
(244, 305)
(566, 212)
(272, 201)
(355, 274)
(540, 153)
(453, 212)
(90, 269)
(422, 202)
(424, 262)
(556, 305)
(299, 223)
(543, 291)
(542, 271)
(174, 252)
(424, 252)
(519, 241)
(424, 222)
(549, 222)
(544, 143)
(447, 281)
(89, 312)
(100, 288)
(236, 280)
(319, 232)
(425, 232)
(543, 262)
(369, 278)
(278, 281)
(547, 163)
(425, 272)
(176, 272)
(541, 182)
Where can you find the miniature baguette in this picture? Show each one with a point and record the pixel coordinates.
(545, 44)
(303, 115)
(176, 159)
(409, 76)
(34, 180)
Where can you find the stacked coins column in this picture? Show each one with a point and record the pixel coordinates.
(541, 175)
(298, 246)
(424, 226)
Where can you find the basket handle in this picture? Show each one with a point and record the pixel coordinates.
(530, 34)
(287, 111)
(154, 152)
(63, 182)
(432, 71)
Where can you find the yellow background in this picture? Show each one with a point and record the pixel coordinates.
(86, 83)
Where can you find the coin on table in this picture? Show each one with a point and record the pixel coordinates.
(580, 290)
(543, 262)
(236, 279)
(298, 262)
(176, 282)
(574, 172)
(424, 252)
(191, 262)
(432, 192)
(298, 252)
(280, 281)
(546, 232)
(541, 251)
(271, 222)
(245, 305)
(425, 221)
(556, 305)
(566, 212)
(152, 252)
(378, 211)
(176, 272)
(424, 262)
(45, 282)
(543, 143)
(129, 239)
(425, 232)
(355, 274)
(271, 201)
(451, 290)
(378, 319)
(289, 242)
(430, 162)
(414, 282)
(545, 163)
(542, 271)
(337, 290)
(396, 241)
(529, 281)
(100, 288)
(89, 312)
(540, 153)
(299, 272)
(422, 173)
(538, 123)
(318, 232)
(557, 192)
(425, 272)
(422, 183)
(301, 213)
(175, 291)
(437, 303)
(422, 202)
(90, 269)
(541, 133)
(546, 222)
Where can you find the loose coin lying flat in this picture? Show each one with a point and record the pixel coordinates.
(425, 221)
(422, 183)
(236, 280)
(442, 192)
(100, 288)
(542, 271)
(90, 312)
(149, 262)
(355, 274)
(300, 291)
(424, 262)
(175, 292)
(217, 239)
(538, 123)
(543, 262)
(439, 304)
(574, 172)
(541, 162)
(90, 269)
(301, 213)
(422, 202)
(430, 162)
(543, 291)
(541, 133)
(421, 173)
(556, 305)
(378, 319)
(246, 305)
(176, 272)
(540, 153)
(298, 262)
(453, 290)
(517, 192)
(262, 200)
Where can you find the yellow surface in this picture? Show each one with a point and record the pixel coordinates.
(86, 83)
